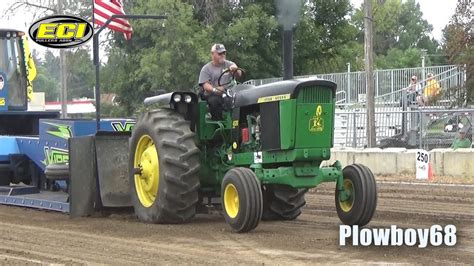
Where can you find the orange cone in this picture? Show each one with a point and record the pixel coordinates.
(430, 172)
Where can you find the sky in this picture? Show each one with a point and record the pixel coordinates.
(436, 12)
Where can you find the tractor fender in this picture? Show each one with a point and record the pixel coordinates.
(163, 99)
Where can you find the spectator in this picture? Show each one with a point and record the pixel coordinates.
(431, 91)
(462, 141)
(413, 90)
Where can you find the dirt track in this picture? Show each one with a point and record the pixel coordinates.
(31, 236)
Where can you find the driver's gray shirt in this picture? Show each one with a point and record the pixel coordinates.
(210, 73)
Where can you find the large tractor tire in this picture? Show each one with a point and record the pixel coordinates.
(281, 202)
(164, 162)
(242, 199)
(359, 183)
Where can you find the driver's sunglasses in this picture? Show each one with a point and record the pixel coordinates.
(221, 54)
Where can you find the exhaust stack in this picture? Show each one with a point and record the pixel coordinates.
(287, 54)
(288, 16)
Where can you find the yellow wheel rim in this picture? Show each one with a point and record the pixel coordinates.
(148, 178)
(231, 200)
(346, 205)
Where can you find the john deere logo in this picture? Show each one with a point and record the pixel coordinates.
(316, 124)
(61, 31)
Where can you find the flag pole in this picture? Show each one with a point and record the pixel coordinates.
(93, 25)
(93, 14)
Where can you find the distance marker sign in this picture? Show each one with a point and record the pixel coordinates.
(422, 164)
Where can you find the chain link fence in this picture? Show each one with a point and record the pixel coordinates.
(401, 119)
(426, 128)
(389, 83)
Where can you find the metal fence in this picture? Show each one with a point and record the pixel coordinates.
(388, 83)
(452, 86)
(400, 120)
(426, 128)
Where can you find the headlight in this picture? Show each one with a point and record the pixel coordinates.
(187, 98)
(177, 98)
(8, 35)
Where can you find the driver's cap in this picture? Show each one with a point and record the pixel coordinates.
(218, 48)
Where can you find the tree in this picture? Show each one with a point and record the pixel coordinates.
(458, 38)
(324, 38)
(42, 8)
(81, 76)
(399, 28)
(161, 55)
(252, 40)
(47, 78)
(396, 58)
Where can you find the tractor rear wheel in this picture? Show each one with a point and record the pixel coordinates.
(164, 162)
(242, 199)
(282, 202)
(359, 184)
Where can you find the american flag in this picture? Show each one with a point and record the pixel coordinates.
(104, 9)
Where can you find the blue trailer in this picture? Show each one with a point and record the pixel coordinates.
(36, 147)
(35, 169)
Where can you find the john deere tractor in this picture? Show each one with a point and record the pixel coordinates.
(260, 160)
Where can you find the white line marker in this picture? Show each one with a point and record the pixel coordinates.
(425, 184)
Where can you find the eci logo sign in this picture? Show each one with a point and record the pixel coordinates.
(61, 31)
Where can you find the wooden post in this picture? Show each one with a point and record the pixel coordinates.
(369, 74)
(62, 72)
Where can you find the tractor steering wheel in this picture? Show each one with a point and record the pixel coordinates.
(232, 80)
(228, 92)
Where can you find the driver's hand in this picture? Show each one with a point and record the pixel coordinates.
(233, 68)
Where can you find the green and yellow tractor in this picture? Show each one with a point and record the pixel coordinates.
(260, 160)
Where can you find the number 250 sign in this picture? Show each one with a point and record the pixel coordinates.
(422, 164)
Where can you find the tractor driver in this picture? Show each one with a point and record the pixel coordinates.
(209, 76)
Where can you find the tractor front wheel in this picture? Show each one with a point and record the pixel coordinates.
(360, 187)
(242, 199)
(164, 162)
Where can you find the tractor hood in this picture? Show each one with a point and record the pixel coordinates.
(248, 95)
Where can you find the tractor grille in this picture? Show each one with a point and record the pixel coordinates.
(315, 95)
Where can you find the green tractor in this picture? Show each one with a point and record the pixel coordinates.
(260, 160)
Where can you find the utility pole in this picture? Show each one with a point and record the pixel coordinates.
(423, 56)
(369, 73)
(348, 92)
(62, 72)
